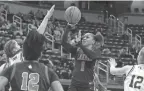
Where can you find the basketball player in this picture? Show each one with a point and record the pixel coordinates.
(30, 75)
(13, 53)
(134, 80)
(85, 53)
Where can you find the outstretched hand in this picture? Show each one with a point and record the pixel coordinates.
(112, 62)
(78, 37)
(50, 12)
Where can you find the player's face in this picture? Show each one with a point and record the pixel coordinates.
(87, 39)
(140, 56)
(17, 45)
(16, 48)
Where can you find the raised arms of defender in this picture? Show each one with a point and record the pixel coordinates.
(118, 71)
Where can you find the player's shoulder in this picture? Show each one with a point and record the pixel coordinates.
(128, 67)
(2, 67)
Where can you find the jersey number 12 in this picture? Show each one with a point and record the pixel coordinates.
(137, 82)
(30, 81)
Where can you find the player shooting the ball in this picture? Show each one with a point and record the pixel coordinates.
(85, 51)
(30, 75)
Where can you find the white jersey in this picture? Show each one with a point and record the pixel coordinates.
(135, 79)
(15, 59)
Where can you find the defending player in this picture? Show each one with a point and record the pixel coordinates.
(85, 53)
(13, 53)
(134, 80)
(30, 75)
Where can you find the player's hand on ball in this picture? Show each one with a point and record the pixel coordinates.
(72, 25)
(112, 62)
(78, 37)
(79, 34)
(50, 12)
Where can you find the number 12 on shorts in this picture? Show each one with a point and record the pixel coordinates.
(30, 81)
(136, 81)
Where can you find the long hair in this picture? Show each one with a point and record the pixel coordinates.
(33, 45)
(9, 48)
(13, 53)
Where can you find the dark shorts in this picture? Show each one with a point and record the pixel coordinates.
(71, 88)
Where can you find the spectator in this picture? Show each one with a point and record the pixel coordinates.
(1, 21)
(14, 27)
(2, 44)
(4, 26)
(39, 15)
(106, 51)
(132, 49)
(100, 37)
(122, 52)
(109, 32)
(73, 4)
(19, 14)
(8, 25)
(6, 7)
(125, 38)
(31, 14)
(137, 51)
(2, 8)
(82, 18)
(58, 32)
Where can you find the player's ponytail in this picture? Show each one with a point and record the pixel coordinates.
(99, 38)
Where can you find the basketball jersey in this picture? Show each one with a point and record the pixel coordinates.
(83, 71)
(135, 79)
(15, 59)
(29, 76)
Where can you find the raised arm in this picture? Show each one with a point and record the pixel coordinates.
(43, 25)
(65, 43)
(118, 71)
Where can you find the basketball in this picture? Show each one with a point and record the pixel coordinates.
(72, 15)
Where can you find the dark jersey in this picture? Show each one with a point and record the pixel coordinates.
(83, 71)
(29, 76)
(84, 63)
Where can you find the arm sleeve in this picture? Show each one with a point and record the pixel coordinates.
(92, 54)
(65, 44)
(52, 75)
(7, 72)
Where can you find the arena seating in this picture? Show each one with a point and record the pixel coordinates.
(137, 29)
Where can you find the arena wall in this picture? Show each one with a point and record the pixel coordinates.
(132, 18)
(59, 14)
